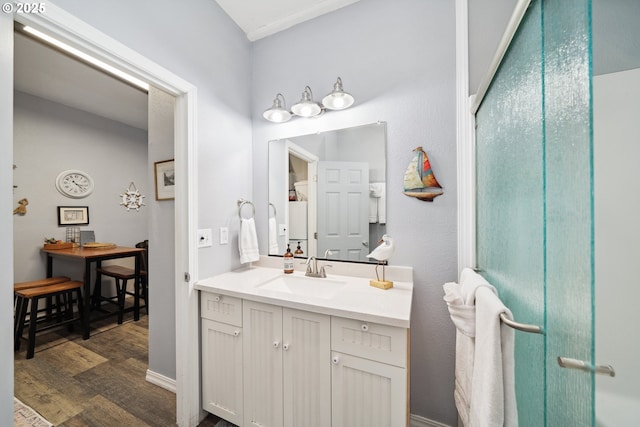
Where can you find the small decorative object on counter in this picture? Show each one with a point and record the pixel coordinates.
(381, 254)
(288, 261)
(298, 250)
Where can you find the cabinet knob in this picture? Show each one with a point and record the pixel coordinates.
(335, 360)
(285, 346)
(276, 344)
(217, 298)
(364, 327)
(236, 333)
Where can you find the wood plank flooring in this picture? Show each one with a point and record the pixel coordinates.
(99, 382)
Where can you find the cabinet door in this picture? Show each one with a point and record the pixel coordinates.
(222, 370)
(262, 341)
(367, 393)
(307, 369)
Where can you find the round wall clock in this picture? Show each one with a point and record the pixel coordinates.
(74, 183)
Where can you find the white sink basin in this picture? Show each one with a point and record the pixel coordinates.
(303, 286)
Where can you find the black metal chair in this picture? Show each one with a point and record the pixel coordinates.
(122, 276)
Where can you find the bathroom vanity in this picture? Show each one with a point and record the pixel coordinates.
(289, 350)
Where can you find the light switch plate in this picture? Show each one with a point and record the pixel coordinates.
(282, 229)
(224, 235)
(204, 238)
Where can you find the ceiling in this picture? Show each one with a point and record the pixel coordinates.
(45, 72)
(262, 18)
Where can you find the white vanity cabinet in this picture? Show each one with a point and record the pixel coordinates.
(286, 369)
(221, 331)
(369, 374)
(292, 356)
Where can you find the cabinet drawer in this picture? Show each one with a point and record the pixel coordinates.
(373, 341)
(221, 308)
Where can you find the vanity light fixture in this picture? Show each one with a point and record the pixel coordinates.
(306, 107)
(278, 112)
(338, 99)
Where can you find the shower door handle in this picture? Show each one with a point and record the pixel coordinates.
(567, 362)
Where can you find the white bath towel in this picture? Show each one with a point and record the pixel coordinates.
(273, 237)
(248, 241)
(377, 202)
(462, 315)
(465, 316)
(493, 398)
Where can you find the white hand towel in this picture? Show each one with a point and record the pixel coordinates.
(493, 399)
(273, 237)
(248, 241)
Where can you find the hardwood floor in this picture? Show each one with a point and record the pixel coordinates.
(99, 382)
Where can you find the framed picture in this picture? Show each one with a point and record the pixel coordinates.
(73, 215)
(165, 180)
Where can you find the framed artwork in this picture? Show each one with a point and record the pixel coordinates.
(73, 215)
(165, 180)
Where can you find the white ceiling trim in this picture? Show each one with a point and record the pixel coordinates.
(259, 18)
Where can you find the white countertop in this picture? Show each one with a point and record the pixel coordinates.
(355, 300)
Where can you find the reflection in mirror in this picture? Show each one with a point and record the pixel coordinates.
(327, 193)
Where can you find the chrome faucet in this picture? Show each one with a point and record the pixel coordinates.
(312, 268)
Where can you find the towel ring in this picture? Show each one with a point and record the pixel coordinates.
(241, 204)
(275, 213)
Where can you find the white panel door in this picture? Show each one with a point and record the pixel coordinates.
(222, 370)
(343, 203)
(307, 369)
(367, 393)
(262, 345)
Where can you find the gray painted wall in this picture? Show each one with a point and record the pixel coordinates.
(50, 138)
(162, 325)
(398, 60)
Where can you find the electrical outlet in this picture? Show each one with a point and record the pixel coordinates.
(204, 238)
(224, 235)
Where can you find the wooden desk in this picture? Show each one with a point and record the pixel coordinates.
(91, 255)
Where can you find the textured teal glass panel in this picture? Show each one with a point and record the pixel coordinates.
(510, 202)
(569, 209)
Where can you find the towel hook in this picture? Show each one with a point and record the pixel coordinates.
(275, 213)
(241, 204)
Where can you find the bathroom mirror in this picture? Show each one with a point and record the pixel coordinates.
(327, 193)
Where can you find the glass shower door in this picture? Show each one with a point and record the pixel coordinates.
(535, 206)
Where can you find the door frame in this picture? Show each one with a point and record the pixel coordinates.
(77, 33)
(291, 148)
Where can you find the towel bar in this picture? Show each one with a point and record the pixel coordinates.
(243, 202)
(520, 326)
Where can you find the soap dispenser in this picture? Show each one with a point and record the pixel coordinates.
(298, 251)
(288, 261)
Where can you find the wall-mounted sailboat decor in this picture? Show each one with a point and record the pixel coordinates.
(419, 180)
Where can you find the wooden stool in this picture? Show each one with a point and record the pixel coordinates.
(37, 283)
(32, 295)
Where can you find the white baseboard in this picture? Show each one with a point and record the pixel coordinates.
(161, 381)
(170, 384)
(418, 421)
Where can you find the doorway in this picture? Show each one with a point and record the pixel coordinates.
(75, 32)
